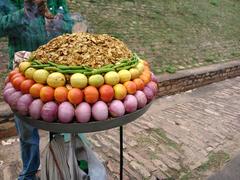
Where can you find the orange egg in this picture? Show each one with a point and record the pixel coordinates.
(146, 68)
(147, 73)
(146, 79)
(17, 82)
(13, 72)
(91, 94)
(120, 91)
(14, 76)
(61, 94)
(106, 93)
(131, 87)
(26, 85)
(75, 96)
(46, 93)
(139, 83)
(35, 90)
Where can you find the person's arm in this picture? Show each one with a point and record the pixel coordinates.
(10, 18)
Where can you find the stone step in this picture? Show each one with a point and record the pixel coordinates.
(7, 129)
(10, 172)
(5, 111)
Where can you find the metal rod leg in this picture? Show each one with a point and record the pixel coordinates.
(51, 136)
(121, 153)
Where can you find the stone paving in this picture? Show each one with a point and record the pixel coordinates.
(185, 136)
(178, 134)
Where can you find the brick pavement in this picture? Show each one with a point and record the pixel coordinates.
(178, 137)
(178, 133)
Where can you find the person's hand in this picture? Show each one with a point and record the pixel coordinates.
(35, 8)
(54, 26)
(19, 57)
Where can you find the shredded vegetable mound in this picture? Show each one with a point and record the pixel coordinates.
(83, 49)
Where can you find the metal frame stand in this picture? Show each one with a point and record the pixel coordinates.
(121, 153)
(51, 134)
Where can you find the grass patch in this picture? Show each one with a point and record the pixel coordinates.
(186, 176)
(169, 33)
(211, 58)
(236, 54)
(170, 69)
(215, 162)
(145, 140)
(152, 155)
(160, 134)
(214, 2)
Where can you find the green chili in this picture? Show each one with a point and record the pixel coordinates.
(100, 71)
(51, 68)
(62, 66)
(133, 61)
(88, 68)
(107, 66)
(71, 67)
(124, 60)
(31, 58)
(37, 62)
(120, 65)
(40, 66)
(126, 67)
(52, 63)
(71, 71)
(87, 73)
(33, 63)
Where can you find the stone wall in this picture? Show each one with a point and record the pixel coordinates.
(189, 79)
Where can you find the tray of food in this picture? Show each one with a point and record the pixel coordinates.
(81, 79)
(91, 126)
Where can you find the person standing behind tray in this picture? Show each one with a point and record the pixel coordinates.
(28, 25)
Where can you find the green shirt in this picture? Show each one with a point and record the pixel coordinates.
(25, 35)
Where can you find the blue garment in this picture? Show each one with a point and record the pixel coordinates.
(29, 142)
(28, 36)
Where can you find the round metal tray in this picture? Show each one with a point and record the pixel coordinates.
(91, 126)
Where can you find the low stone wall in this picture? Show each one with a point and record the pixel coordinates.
(189, 79)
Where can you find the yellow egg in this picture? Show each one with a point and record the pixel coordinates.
(124, 76)
(112, 78)
(56, 79)
(134, 73)
(96, 80)
(40, 76)
(29, 73)
(24, 65)
(78, 80)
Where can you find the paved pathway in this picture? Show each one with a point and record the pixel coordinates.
(185, 136)
(179, 134)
